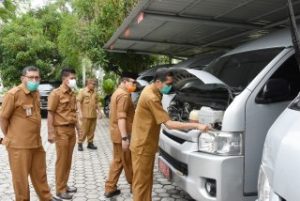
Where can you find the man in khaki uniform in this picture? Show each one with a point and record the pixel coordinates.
(149, 115)
(21, 123)
(121, 118)
(62, 121)
(88, 108)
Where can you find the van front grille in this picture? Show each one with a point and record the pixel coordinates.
(182, 167)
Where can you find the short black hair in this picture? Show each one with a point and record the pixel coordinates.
(30, 68)
(161, 74)
(126, 79)
(66, 72)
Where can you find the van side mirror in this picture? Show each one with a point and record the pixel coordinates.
(275, 90)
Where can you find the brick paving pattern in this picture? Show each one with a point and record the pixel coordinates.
(89, 171)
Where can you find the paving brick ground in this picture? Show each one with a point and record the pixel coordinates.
(89, 171)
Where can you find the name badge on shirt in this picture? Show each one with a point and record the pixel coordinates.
(28, 110)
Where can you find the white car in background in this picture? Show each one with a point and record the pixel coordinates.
(279, 176)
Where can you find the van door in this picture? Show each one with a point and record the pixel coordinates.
(266, 102)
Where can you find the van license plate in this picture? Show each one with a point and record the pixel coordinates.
(164, 169)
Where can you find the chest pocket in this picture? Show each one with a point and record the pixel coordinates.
(27, 110)
(86, 99)
(65, 103)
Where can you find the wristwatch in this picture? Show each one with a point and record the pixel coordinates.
(125, 138)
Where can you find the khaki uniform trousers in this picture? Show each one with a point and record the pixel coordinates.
(29, 162)
(142, 176)
(121, 160)
(65, 142)
(88, 127)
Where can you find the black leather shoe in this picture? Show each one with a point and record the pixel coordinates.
(64, 196)
(71, 189)
(113, 193)
(91, 146)
(80, 148)
(55, 199)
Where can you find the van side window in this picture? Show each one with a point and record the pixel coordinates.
(284, 84)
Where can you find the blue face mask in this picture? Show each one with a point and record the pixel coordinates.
(32, 86)
(166, 89)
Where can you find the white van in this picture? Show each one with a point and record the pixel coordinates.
(279, 177)
(251, 85)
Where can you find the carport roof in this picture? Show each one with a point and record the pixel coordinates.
(190, 27)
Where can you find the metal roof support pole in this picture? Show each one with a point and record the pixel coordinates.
(294, 31)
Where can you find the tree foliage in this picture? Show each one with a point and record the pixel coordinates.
(7, 10)
(65, 33)
(23, 42)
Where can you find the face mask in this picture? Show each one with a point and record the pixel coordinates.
(166, 89)
(131, 89)
(32, 86)
(72, 84)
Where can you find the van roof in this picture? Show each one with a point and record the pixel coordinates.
(280, 38)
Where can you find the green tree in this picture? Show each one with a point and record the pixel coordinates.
(28, 40)
(91, 25)
(7, 10)
(65, 33)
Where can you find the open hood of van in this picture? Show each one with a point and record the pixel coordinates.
(194, 89)
(205, 77)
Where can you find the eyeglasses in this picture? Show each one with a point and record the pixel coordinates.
(33, 77)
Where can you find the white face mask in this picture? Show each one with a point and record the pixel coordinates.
(72, 84)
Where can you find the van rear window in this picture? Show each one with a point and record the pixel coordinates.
(238, 70)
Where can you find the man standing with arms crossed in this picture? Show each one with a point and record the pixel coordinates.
(149, 115)
(121, 118)
(62, 121)
(21, 123)
(88, 108)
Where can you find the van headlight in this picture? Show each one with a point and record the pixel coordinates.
(221, 143)
(264, 189)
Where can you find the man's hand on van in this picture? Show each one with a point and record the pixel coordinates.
(203, 127)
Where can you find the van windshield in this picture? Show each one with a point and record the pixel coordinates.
(238, 70)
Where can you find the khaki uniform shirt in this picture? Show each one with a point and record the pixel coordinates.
(149, 114)
(88, 103)
(22, 108)
(62, 102)
(121, 107)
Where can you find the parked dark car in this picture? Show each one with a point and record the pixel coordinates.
(106, 105)
(45, 89)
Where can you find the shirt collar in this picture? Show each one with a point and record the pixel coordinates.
(65, 88)
(24, 88)
(155, 90)
(89, 90)
(123, 89)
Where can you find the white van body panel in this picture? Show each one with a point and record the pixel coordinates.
(281, 160)
(259, 118)
(234, 116)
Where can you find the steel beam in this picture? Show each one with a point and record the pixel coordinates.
(247, 32)
(196, 20)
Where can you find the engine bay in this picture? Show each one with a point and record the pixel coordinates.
(206, 101)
